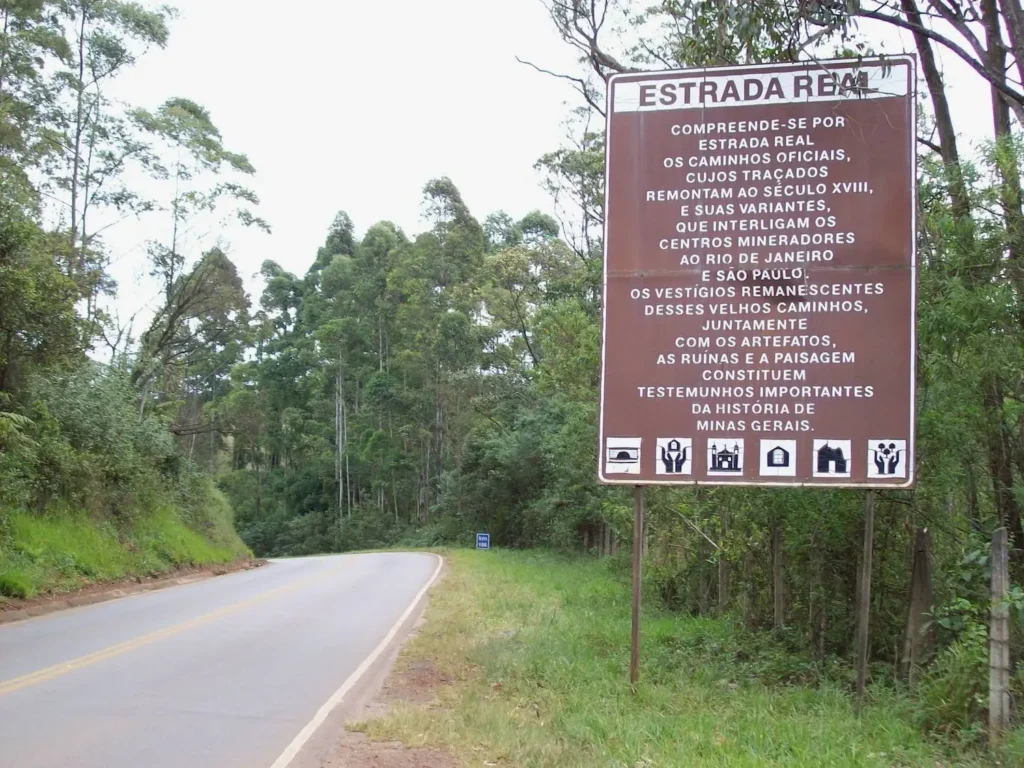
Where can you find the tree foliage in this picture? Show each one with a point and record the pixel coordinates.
(418, 387)
(127, 437)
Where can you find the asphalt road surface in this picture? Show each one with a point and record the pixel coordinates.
(231, 671)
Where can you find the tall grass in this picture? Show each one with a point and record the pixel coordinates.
(64, 551)
(535, 649)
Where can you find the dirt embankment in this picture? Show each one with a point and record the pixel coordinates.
(415, 683)
(16, 610)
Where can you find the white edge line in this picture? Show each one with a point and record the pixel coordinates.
(293, 749)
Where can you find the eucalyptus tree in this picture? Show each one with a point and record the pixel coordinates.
(196, 154)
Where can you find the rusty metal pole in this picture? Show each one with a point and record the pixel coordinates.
(864, 605)
(638, 534)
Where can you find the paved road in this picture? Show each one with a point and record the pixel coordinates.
(218, 673)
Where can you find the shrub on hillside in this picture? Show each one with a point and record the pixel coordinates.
(84, 445)
(15, 584)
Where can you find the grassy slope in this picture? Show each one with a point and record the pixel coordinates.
(63, 552)
(537, 650)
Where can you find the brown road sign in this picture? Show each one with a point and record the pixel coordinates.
(759, 276)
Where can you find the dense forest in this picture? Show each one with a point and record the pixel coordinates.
(96, 480)
(413, 388)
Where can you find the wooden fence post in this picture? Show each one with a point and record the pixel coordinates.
(999, 642)
(919, 642)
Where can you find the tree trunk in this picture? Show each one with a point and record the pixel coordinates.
(1000, 466)
(816, 600)
(259, 484)
(76, 160)
(339, 443)
(1014, 17)
(943, 119)
(6, 367)
(1009, 170)
(394, 495)
(746, 601)
(703, 577)
(723, 565)
(349, 495)
(3, 50)
(778, 582)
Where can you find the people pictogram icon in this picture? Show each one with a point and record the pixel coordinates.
(673, 456)
(887, 458)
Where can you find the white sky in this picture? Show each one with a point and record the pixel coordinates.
(356, 105)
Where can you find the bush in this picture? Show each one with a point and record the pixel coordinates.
(91, 449)
(954, 693)
(15, 584)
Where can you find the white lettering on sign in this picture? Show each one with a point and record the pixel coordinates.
(757, 265)
(805, 83)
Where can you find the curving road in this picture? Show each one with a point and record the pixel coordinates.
(231, 671)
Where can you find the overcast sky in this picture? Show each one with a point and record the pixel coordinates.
(356, 105)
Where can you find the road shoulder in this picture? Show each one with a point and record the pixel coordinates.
(391, 680)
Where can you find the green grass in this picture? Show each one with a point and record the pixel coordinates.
(62, 552)
(536, 649)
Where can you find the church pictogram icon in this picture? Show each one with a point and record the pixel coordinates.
(725, 457)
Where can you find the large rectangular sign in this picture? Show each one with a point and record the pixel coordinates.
(759, 276)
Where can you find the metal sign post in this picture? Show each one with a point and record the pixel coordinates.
(638, 535)
(759, 278)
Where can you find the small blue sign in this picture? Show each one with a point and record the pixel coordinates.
(483, 541)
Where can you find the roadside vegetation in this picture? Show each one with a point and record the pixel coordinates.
(530, 652)
(106, 457)
(416, 387)
(93, 493)
(63, 551)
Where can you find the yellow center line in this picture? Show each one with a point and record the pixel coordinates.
(58, 670)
